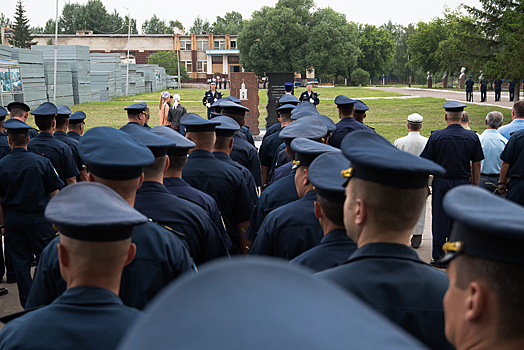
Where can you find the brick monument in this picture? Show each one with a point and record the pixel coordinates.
(244, 86)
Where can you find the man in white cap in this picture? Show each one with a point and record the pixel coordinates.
(414, 143)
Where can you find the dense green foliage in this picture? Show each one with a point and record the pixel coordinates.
(22, 36)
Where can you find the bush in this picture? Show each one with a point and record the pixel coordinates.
(169, 61)
(359, 77)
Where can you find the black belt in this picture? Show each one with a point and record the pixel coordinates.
(489, 174)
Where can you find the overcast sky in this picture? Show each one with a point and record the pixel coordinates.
(374, 12)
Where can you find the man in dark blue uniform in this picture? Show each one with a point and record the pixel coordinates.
(4, 145)
(223, 181)
(62, 122)
(136, 114)
(4, 150)
(284, 100)
(385, 195)
(293, 228)
(116, 160)
(485, 271)
(469, 89)
(20, 111)
(176, 185)
(95, 245)
(287, 309)
(243, 152)
(76, 125)
(511, 183)
(360, 112)
(309, 95)
(483, 88)
(154, 200)
(347, 123)
(498, 88)
(211, 97)
(511, 90)
(335, 247)
(284, 191)
(268, 149)
(222, 149)
(27, 181)
(455, 148)
(46, 144)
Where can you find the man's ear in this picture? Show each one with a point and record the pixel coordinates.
(361, 210)
(479, 296)
(318, 210)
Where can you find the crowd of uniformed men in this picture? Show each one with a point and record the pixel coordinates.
(113, 216)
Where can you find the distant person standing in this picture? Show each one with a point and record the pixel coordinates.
(483, 89)
(469, 89)
(512, 90)
(493, 144)
(211, 96)
(309, 95)
(163, 108)
(498, 88)
(414, 143)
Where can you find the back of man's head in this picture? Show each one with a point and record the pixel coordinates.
(346, 110)
(359, 116)
(494, 119)
(465, 118)
(455, 116)
(18, 139)
(61, 122)
(222, 143)
(203, 140)
(333, 211)
(156, 169)
(285, 118)
(240, 119)
(17, 112)
(177, 162)
(44, 123)
(505, 281)
(518, 109)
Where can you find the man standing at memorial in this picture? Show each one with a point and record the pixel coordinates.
(414, 143)
(511, 90)
(309, 95)
(454, 148)
(483, 87)
(211, 96)
(498, 88)
(469, 89)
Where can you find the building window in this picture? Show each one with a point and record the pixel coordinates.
(202, 45)
(202, 66)
(219, 44)
(233, 59)
(185, 45)
(233, 44)
(187, 64)
(217, 59)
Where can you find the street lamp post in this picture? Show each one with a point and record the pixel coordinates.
(128, 37)
(56, 53)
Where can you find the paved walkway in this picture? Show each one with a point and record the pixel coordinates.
(451, 95)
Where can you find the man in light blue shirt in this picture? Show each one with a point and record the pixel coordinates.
(517, 114)
(493, 144)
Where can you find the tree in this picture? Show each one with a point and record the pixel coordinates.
(168, 60)
(497, 48)
(424, 43)
(155, 25)
(230, 24)
(4, 20)
(332, 45)
(199, 26)
(359, 76)
(377, 48)
(402, 67)
(22, 33)
(49, 27)
(279, 44)
(69, 21)
(176, 23)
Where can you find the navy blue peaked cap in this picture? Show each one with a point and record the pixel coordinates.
(136, 108)
(157, 144)
(454, 106)
(63, 110)
(342, 100)
(232, 107)
(20, 105)
(307, 150)
(77, 117)
(284, 307)
(288, 86)
(375, 159)
(46, 109)
(182, 144)
(113, 154)
(286, 108)
(14, 125)
(288, 98)
(304, 106)
(309, 127)
(218, 102)
(328, 122)
(233, 99)
(324, 174)
(195, 123)
(477, 234)
(101, 215)
(3, 113)
(228, 126)
(360, 106)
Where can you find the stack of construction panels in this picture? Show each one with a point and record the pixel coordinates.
(32, 75)
(64, 85)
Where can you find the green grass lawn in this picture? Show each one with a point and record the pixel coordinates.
(387, 116)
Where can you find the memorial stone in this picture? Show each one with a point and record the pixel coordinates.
(244, 86)
(430, 80)
(275, 90)
(462, 78)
